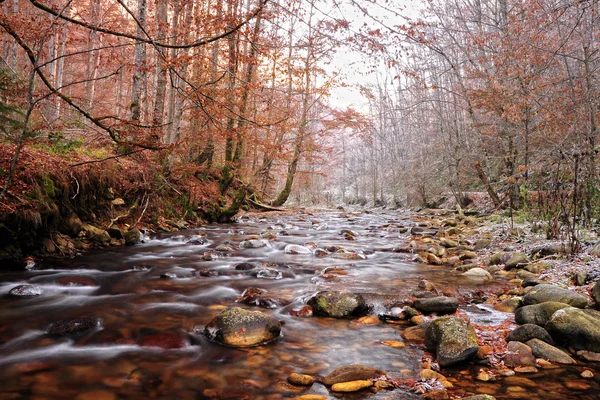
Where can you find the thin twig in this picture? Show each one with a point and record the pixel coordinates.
(143, 211)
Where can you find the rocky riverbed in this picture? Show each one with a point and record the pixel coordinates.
(385, 305)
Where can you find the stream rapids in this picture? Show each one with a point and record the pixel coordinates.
(177, 282)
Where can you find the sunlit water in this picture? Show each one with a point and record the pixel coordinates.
(132, 301)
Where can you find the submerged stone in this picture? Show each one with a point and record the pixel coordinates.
(73, 326)
(25, 291)
(352, 372)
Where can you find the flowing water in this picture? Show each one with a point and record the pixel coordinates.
(168, 284)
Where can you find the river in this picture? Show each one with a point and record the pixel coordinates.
(176, 283)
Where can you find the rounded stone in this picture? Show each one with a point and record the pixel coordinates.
(25, 291)
(238, 327)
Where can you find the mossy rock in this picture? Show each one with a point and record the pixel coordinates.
(238, 327)
(452, 340)
(338, 304)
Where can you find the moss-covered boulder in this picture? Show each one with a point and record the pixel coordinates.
(545, 292)
(538, 314)
(576, 328)
(452, 340)
(338, 304)
(525, 333)
(238, 327)
(596, 292)
(96, 234)
(132, 236)
(541, 349)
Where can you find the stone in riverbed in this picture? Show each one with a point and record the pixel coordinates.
(242, 328)
(440, 305)
(259, 297)
(132, 236)
(526, 332)
(518, 354)
(452, 340)
(516, 260)
(577, 328)
(478, 273)
(352, 372)
(351, 386)
(541, 349)
(596, 292)
(96, 234)
(480, 397)
(510, 304)
(300, 379)
(543, 293)
(338, 304)
(25, 291)
(253, 244)
(538, 314)
(76, 281)
(73, 326)
(296, 249)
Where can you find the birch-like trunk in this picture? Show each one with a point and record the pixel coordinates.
(139, 73)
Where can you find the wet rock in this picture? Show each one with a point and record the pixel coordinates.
(529, 278)
(510, 304)
(482, 243)
(415, 332)
(76, 281)
(197, 240)
(49, 245)
(589, 355)
(132, 236)
(538, 314)
(245, 266)
(241, 328)
(428, 286)
(499, 258)
(296, 249)
(348, 255)
(168, 275)
(545, 292)
(518, 354)
(259, 297)
(433, 259)
(467, 255)
(352, 372)
(596, 292)
(587, 374)
(115, 232)
(164, 340)
(516, 260)
(452, 340)
(526, 332)
(479, 397)
(71, 226)
(268, 273)
(25, 291)
(448, 243)
(351, 386)
(440, 305)
(544, 350)
(478, 273)
(253, 244)
(577, 328)
(310, 397)
(423, 294)
(338, 304)
(300, 379)
(224, 248)
(96, 234)
(73, 326)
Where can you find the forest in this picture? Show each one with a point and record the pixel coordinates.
(194, 110)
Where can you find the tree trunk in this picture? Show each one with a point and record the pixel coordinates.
(488, 187)
(139, 73)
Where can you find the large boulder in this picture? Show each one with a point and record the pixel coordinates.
(352, 372)
(516, 260)
(538, 314)
(452, 340)
(132, 236)
(525, 333)
(541, 349)
(71, 225)
(439, 305)
(338, 304)
(238, 327)
(577, 328)
(543, 293)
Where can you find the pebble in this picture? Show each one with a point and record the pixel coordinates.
(300, 379)
(587, 374)
(352, 386)
(394, 343)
